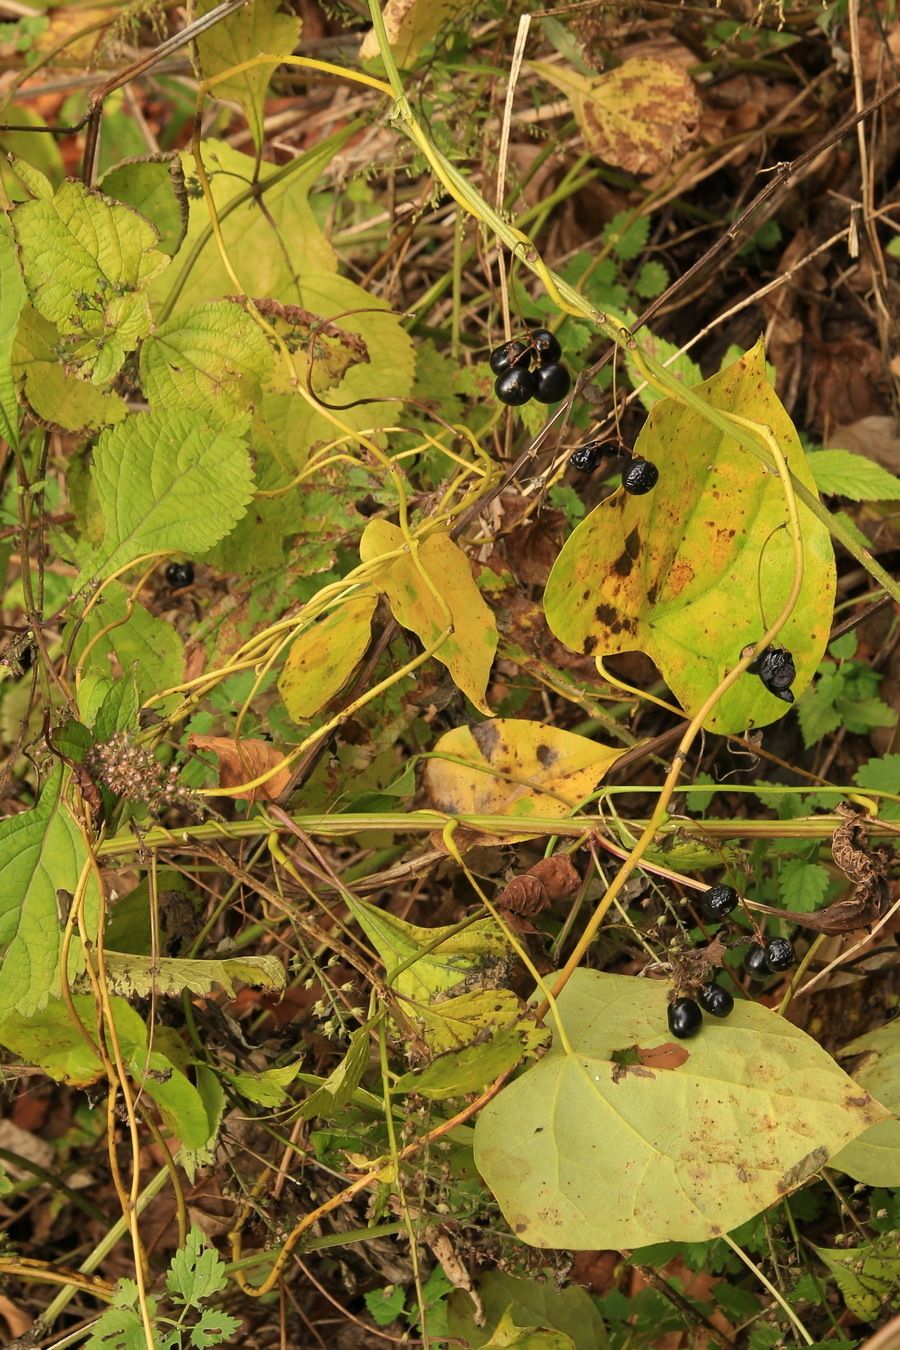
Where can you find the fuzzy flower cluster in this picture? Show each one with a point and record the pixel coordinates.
(133, 772)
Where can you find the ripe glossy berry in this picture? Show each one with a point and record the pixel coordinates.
(546, 346)
(719, 901)
(685, 1018)
(775, 667)
(586, 458)
(510, 354)
(715, 1000)
(755, 963)
(640, 477)
(779, 954)
(552, 382)
(179, 575)
(515, 386)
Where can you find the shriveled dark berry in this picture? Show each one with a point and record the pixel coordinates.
(755, 963)
(552, 383)
(685, 1018)
(515, 386)
(719, 901)
(640, 477)
(179, 575)
(775, 667)
(779, 954)
(546, 345)
(715, 1000)
(586, 458)
(510, 354)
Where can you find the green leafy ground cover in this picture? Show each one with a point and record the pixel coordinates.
(352, 846)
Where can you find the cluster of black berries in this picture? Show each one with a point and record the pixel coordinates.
(638, 478)
(685, 1015)
(776, 955)
(517, 383)
(179, 575)
(775, 667)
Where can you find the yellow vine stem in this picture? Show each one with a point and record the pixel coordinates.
(129, 606)
(117, 1074)
(336, 721)
(450, 845)
(779, 1299)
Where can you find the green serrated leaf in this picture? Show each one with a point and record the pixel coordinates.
(87, 262)
(651, 281)
(845, 474)
(455, 1073)
(12, 300)
(145, 649)
(255, 29)
(802, 885)
(868, 1277)
(213, 1327)
(167, 482)
(385, 1305)
(454, 956)
(118, 1329)
(54, 392)
(882, 775)
(266, 1088)
(118, 709)
(211, 360)
(141, 976)
(342, 1082)
(628, 239)
(681, 366)
(154, 186)
(41, 851)
(212, 1095)
(196, 1271)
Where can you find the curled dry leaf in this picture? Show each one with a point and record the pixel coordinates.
(242, 762)
(548, 880)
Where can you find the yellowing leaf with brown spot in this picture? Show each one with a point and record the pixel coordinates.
(468, 653)
(242, 762)
(514, 768)
(324, 656)
(638, 116)
(697, 569)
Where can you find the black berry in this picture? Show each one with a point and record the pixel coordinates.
(515, 386)
(685, 1018)
(755, 963)
(546, 346)
(586, 458)
(775, 667)
(510, 354)
(715, 1000)
(552, 383)
(779, 954)
(719, 901)
(640, 477)
(179, 575)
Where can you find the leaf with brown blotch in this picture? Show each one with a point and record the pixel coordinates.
(242, 762)
(638, 116)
